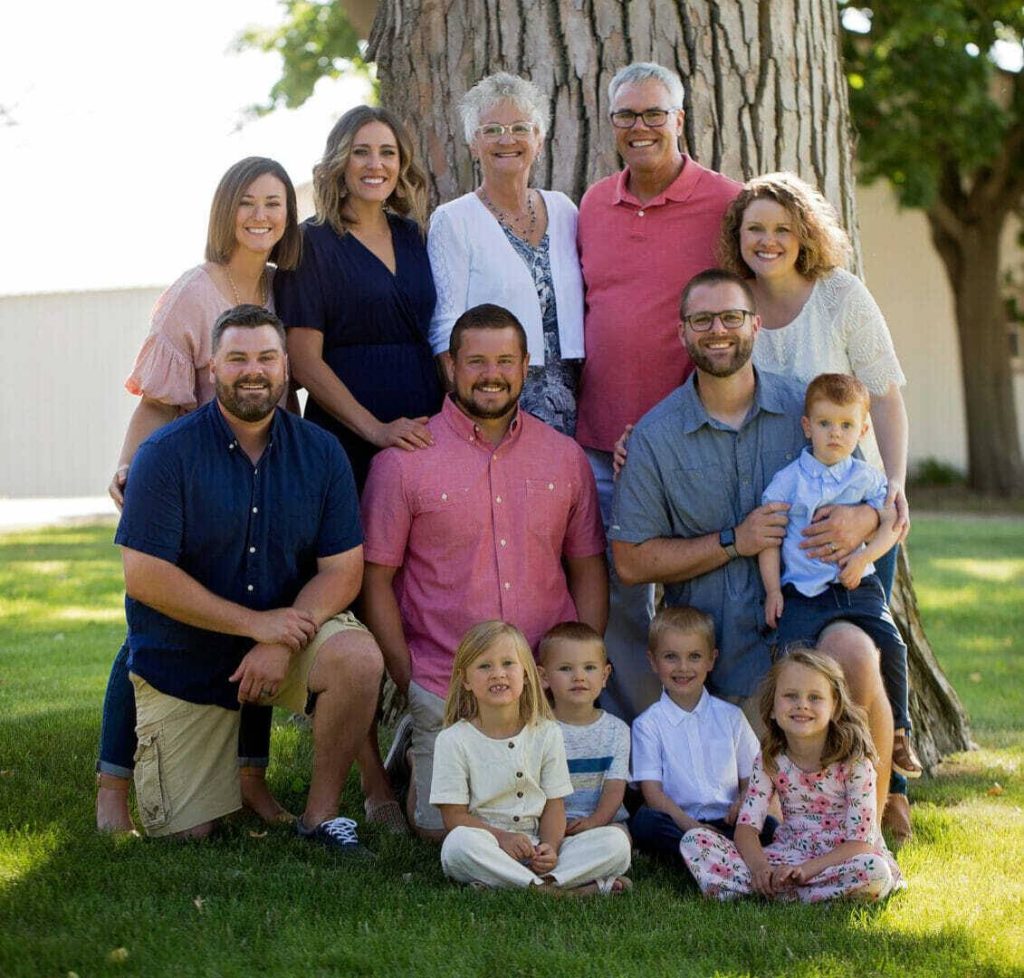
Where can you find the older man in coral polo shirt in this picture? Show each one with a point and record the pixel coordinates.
(643, 234)
(497, 519)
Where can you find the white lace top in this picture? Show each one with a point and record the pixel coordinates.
(839, 330)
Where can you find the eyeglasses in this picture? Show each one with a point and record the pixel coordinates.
(701, 322)
(492, 132)
(626, 118)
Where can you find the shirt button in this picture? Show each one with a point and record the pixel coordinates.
(508, 586)
(515, 818)
(551, 485)
(519, 794)
(255, 509)
(498, 499)
(503, 542)
(252, 550)
(248, 587)
(639, 213)
(511, 744)
(519, 774)
(444, 495)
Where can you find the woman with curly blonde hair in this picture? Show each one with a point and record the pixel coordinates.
(359, 305)
(816, 317)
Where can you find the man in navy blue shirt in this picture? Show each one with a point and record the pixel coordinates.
(242, 547)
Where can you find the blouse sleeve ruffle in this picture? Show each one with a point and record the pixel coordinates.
(164, 373)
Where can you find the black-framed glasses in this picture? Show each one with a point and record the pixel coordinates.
(493, 131)
(626, 118)
(701, 322)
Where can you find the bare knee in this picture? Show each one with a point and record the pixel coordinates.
(350, 657)
(857, 657)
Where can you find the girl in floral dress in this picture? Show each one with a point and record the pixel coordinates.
(817, 755)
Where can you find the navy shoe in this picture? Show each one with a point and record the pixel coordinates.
(338, 834)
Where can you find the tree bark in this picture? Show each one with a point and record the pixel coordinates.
(765, 91)
(969, 245)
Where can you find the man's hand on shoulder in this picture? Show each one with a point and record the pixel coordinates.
(261, 672)
(291, 627)
(764, 527)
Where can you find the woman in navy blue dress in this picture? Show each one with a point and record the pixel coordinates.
(359, 305)
(358, 309)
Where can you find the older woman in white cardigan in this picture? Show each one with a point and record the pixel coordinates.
(513, 245)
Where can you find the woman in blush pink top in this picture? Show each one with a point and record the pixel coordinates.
(253, 221)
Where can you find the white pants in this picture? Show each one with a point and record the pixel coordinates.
(471, 855)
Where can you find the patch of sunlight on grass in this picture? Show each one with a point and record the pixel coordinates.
(45, 568)
(23, 851)
(77, 613)
(996, 571)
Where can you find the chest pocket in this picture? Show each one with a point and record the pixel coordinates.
(445, 520)
(547, 509)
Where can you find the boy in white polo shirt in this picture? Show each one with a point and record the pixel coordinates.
(692, 752)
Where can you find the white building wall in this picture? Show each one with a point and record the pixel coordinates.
(63, 406)
(907, 278)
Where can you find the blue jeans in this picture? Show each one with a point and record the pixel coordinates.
(117, 732)
(656, 833)
(804, 619)
(633, 686)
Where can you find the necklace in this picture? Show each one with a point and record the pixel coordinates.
(521, 225)
(261, 287)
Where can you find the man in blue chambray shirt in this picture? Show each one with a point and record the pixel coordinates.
(242, 547)
(687, 504)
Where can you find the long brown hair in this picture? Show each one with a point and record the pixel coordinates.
(847, 738)
(409, 198)
(462, 705)
(220, 232)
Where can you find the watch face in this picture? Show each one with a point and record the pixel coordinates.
(727, 537)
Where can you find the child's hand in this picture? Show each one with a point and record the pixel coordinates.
(761, 880)
(785, 876)
(773, 604)
(517, 845)
(852, 572)
(578, 825)
(544, 859)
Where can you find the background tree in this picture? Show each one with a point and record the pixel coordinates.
(944, 124)
(765, 91)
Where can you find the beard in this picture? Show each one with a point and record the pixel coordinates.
(720, 367)
(249, 405)
(474, 410)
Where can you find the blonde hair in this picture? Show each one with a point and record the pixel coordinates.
(569, 631)
(681, 619)
(462, 705)
(847, 738)
(409, 198)
(824, 244)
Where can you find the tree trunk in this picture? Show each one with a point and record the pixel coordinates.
(969, 245)
(764, 91)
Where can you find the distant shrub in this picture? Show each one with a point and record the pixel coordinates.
(934, 472)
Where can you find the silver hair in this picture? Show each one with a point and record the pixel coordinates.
(641, 71)
(501, 87)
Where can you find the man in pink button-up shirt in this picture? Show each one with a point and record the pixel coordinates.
(643, 234)
(498, 519)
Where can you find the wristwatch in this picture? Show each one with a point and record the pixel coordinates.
(727, 541)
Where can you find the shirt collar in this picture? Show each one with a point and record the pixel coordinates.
(810, 466)
(767, 398)
(226, 437)
(677, 715)
(468, 430)
(678, 190)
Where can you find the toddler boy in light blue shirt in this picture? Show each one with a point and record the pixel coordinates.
(810, 594)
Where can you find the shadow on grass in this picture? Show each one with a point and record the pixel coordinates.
(254, 901)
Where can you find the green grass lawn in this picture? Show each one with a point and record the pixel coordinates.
(256, 903)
